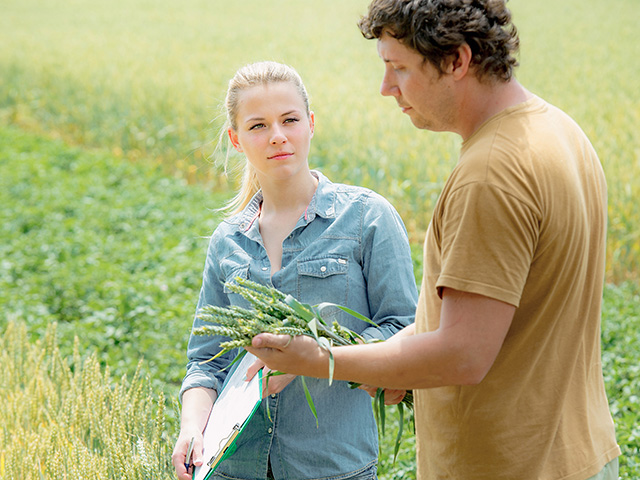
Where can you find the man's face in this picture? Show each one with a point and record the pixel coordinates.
(420, 90)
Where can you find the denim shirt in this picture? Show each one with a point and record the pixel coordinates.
(349, 247)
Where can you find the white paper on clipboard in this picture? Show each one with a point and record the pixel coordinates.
(234, 406)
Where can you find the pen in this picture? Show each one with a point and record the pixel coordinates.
(187, 460)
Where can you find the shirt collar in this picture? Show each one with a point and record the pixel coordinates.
(322, 204)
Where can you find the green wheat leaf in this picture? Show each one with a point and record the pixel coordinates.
(313, 326)
(379, 400)
(396, 448)
(301, 309)
(309, 400)
(326, 344)
(359, 316)
(239, 357)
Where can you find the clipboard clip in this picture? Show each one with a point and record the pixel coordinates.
(217, 458)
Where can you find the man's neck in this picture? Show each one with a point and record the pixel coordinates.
(481, 101)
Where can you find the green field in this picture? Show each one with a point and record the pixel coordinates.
(110, 253)
(104, 228)
(145, 80)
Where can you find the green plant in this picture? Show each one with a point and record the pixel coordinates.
(621, 367)
(111, 251)
(275, 312)
(145, 84)
(66, 257)
(61, 420)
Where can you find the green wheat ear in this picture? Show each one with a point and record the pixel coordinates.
(274, 312)
(77, 421)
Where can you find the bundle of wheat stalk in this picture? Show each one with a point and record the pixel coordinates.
(275, 312)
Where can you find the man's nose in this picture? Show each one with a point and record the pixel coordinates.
(388, 88)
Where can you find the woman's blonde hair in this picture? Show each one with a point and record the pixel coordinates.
(254, 74)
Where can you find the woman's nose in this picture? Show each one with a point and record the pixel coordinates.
(278, 137)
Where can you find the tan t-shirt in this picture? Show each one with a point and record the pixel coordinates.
(522, 219)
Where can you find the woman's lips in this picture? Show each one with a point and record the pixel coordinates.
(280, 156)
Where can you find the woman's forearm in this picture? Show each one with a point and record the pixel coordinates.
(196, 406)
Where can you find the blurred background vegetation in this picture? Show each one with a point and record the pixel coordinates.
(145, 80)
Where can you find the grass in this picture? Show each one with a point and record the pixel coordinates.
(111, 251)
(621, 366)
(145, 81)
(122, 300)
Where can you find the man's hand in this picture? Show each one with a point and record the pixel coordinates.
(299, 355)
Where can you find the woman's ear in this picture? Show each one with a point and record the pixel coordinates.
(233, 136)
(312, 122)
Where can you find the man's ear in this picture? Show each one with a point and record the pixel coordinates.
(458, 64)
(233, 136)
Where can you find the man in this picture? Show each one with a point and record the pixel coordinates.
(505, 356)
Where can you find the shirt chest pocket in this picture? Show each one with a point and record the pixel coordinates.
(323, 279)
(323, 267)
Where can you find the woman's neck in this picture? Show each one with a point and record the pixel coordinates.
(291, 196)
(282, 205)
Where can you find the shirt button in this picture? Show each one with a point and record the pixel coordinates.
(273, 395)
(323, 268)
(270, 430)
(264, 269)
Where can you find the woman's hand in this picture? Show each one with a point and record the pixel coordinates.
(196, 406)
(270, 384)
(391, 397)
(179, 456)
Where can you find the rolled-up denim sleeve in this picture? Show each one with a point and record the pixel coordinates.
(201, 348)
(388, 269)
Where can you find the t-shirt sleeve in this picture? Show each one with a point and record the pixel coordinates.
(488, 239)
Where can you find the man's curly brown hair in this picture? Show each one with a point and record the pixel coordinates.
(436, 28)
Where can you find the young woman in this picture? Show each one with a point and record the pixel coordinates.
(290, 227)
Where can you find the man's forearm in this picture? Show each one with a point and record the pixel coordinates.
(405, 332)
(460, 352)
(406, 362)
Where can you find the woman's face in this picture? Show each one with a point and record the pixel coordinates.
(273, 130)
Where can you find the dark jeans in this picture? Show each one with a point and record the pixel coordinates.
(368, 474)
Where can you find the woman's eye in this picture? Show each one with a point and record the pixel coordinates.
(292, 120)
(256, 126)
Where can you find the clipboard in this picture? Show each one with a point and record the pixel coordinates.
(231, 412)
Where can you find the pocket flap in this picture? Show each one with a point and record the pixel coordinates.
(323, 267)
